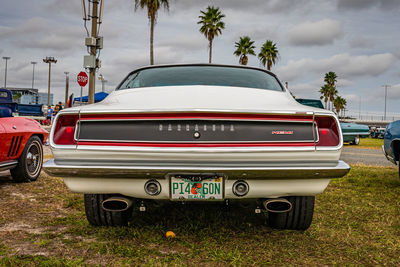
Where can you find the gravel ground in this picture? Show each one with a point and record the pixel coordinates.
(373, 157)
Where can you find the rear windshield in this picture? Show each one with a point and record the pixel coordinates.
(201, 75)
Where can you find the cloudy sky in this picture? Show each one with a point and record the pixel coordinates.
(358, 39)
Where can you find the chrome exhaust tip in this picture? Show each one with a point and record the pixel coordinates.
(116, 204)
(240, 188)
(278, 205)
(152, 187)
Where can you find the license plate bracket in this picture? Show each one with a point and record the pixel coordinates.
(196, 187)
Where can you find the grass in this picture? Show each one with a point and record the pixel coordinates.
(370, 143)
(356, 222)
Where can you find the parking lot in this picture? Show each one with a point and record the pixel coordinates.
(355, 222)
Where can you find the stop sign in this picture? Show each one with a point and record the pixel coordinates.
(82, 78)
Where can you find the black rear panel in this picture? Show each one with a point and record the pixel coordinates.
(195, 131)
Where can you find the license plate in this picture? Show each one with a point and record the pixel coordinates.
(186, 189)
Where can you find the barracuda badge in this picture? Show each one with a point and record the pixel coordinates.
(282, 132)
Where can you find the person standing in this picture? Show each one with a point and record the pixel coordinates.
(49, 115)
(58, 108)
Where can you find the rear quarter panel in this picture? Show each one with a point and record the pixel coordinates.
(21, 128)
(392, 134)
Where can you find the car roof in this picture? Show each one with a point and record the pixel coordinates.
(202, 65)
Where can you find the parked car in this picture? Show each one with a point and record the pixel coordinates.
(316, 103)
(21, 149)
(352, 132)
(378, 132)
(391, 147)
(8, 106)
(198, 132)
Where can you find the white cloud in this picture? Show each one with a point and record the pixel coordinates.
(185, 42)
(344, 65)
(362, 42)
(319, 33)
(364, 4)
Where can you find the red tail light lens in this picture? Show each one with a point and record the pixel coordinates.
(328, 131)
(65, 130)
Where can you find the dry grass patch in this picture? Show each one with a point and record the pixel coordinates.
(356, 222)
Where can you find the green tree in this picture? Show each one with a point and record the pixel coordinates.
(244, 47)
(325, 94)
(332, 95)
(330, 80)
(211, 25)
(339, 103)
(269, 54)
(152, 9)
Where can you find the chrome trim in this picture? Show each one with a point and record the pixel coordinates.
(53, 126)
(355, 133)
(160, 172)
(196, 149)
(191, 119)
(8, 165)
(194, 142)
(388, 157)
(224, 111)
(315, 148)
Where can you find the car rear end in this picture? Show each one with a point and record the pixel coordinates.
(198, 143)
(121, 152)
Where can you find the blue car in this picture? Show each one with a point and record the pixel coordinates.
(391, 147)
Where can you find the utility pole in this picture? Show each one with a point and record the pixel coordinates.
(49, 60)
(66, 87)
(5, 72)
(386, 87)
(93, 52)
(33, 73)
(93, 42)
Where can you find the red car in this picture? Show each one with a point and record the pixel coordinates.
(21, 149)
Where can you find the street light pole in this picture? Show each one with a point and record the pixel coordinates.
(386, 87)
(49, 60)
(5, 72)
(66, 87)
(103, 81)
(33, 73)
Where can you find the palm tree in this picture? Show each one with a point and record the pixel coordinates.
(211, 25)
(152, 9)
(330, 78)
(339, 103)
(244, 47)
(269, 54)
(332, 95)
(325, 94)
(331, 92)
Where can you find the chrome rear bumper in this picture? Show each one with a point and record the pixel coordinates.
(160, 172)
(388, 157)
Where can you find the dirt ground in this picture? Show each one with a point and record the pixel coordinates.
(356, 222)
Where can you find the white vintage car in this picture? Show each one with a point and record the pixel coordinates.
(198, 132)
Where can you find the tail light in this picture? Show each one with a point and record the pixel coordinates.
(64, 131)
(327, 131)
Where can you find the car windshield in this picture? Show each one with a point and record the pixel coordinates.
(201, 75)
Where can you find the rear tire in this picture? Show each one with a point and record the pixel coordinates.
(30, 162)
(97, 216)
(356, 141)
(298, 218)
